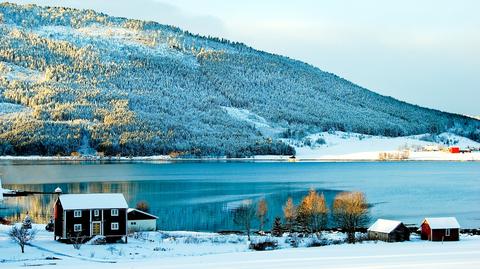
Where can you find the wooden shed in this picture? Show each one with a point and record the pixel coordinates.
(388, 231)
(440, 229)
(140, 221)
(88, 215)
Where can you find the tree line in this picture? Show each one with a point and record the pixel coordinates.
(312, 215)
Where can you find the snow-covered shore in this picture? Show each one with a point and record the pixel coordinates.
(336, 146)
(210, 250)
(368, 156)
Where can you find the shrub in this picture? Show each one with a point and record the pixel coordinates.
(294, 240)
(143, 206)
(264, 244)
(98, 240)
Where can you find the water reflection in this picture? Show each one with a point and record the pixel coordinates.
(199, 195)
(197, 206)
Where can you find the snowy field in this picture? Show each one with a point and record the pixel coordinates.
(208, 250)
(352, 146)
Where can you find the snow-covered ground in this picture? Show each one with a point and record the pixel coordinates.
(260, 123)
(208, 250)
(352, 146)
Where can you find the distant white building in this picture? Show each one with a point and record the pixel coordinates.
(140, 221)
(431, 148)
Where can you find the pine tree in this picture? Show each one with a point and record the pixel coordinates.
(277, 229)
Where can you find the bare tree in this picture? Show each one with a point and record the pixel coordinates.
(22, 236)
(350, 211)
(289, 213)
(243, 216)
(312, 212)
(77, 240)
(262, 209)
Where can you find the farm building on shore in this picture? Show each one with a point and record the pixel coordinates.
(454, 150)
(388, 231)
(88, 215)
(140, 221)
(440, 229)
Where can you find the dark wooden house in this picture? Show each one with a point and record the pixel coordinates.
(88, 215)
(388, 231)
(440, 229)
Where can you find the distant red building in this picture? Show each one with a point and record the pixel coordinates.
(454, 150)
(440, 229)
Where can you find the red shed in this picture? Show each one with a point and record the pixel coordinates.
(440, 229)
(454, 150)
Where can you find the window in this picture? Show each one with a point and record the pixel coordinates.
(114, 212)
(114, 226)
(77, 213)
(96, 212)
(77, 227)
(447, 232)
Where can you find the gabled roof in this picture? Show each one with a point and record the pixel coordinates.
(384, 226)
(442, 223)
(137, 214)
(93, 201)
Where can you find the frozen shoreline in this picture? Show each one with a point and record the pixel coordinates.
(372, 156)
(333, 147)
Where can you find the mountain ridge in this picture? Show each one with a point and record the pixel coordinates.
(131, 87)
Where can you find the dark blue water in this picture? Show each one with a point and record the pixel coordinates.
(200, 195)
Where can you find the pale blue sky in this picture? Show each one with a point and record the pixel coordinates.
(424, 52)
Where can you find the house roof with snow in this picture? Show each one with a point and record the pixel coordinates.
(137, 214)
(93, 200)
(442, 223)
(384, 226)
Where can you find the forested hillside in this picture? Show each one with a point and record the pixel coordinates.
(76, 79)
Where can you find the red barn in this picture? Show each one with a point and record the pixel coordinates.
(454, 150)
(440, 229)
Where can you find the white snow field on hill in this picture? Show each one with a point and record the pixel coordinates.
(209, 250)
(354, 146)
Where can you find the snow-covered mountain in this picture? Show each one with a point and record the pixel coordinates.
(77, 79)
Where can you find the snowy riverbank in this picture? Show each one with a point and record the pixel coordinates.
(210, 250)
(324, 147)
(368, 156)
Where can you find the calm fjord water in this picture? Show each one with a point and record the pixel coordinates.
(199, 195)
